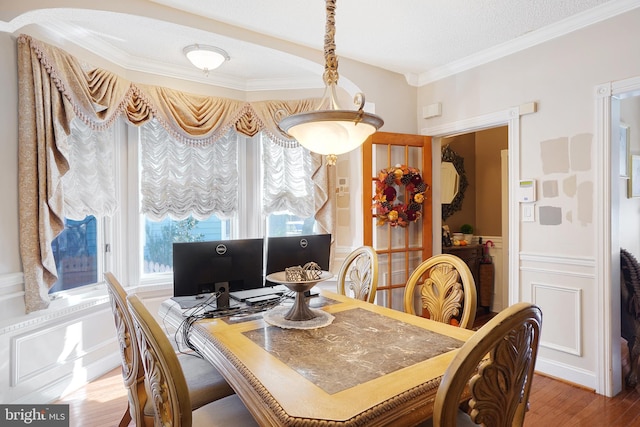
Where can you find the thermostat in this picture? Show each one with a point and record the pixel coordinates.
(527, 191)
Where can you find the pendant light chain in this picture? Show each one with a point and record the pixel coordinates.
(330, 75)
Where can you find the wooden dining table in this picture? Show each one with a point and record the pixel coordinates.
(371, 366)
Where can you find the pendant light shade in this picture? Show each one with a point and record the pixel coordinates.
(330, 130)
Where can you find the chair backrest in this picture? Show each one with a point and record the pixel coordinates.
(167, 384)
(447, 292)
(132, 371)
(360, 268)
(500, 383)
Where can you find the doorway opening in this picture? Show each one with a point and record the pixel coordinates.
(509, 119)
(481, 202)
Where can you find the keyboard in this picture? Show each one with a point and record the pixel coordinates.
(258, 292)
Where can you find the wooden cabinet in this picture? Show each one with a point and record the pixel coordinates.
(471, 255)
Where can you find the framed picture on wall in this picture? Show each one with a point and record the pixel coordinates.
(634, 179)
(624, 151)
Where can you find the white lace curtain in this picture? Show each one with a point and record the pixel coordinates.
(54, 88)
(180, 179)
(89, 185)
(287, 184)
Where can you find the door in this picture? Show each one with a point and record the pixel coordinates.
(400, 245)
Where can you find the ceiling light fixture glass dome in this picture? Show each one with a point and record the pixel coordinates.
(205, 57)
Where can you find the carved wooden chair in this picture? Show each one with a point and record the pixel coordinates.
(499, 384)
(167, 384)
(447, 293)
(132, 371)
(205, 383)
(360, 269)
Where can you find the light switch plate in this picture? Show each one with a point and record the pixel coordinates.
(528, 212)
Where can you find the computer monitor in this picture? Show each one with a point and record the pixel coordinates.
(291, 251)
(199, 266)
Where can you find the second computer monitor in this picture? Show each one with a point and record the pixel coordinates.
(291, 251)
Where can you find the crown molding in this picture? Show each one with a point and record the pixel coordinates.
(566, 26)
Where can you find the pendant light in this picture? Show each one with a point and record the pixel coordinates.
(331, 130)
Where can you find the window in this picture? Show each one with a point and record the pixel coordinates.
(279, 225)
(142, 244)
(159, 237)
(76, 254)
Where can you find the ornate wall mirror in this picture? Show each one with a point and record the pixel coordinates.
(453, 181)
(449, 181)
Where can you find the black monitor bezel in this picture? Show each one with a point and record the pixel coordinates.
(192, 274)
(286, 251)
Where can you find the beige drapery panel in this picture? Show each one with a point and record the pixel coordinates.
(54, 87)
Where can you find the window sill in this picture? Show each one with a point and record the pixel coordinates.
(63, 304)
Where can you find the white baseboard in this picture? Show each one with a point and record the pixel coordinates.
(567, 373)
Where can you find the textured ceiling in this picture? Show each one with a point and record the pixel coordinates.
(277, 44)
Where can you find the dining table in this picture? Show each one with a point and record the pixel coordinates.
(369, 366)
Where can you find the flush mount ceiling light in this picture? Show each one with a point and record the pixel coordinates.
(329, 129)
(205, 57)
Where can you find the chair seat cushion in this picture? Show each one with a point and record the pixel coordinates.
(225, 412)
(204, 381)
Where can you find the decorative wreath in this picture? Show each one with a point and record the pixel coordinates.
(389, 208)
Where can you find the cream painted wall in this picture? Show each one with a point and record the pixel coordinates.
(560, 76)
(557, 263)
(9, 255)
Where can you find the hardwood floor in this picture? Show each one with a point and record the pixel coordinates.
(554, 403)
(101, 403)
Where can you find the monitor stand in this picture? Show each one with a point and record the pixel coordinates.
(222, 290)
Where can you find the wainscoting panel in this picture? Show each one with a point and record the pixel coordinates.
(61, 343)
(568, 338)
(565, 289)
(48, 353)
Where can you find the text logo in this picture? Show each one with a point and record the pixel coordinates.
(34, 415)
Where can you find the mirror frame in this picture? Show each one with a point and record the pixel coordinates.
(448, 155)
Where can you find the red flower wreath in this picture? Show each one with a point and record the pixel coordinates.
(388, 207)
